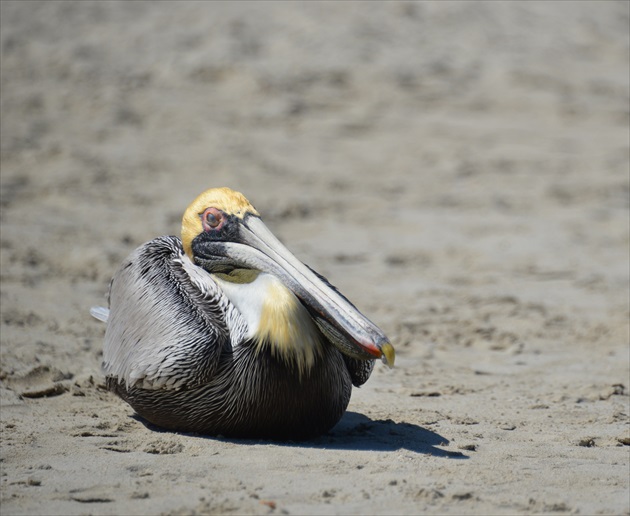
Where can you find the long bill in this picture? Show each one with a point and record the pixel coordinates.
(347, 328)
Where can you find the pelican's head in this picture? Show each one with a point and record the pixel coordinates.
(208, 215)
(224, 234)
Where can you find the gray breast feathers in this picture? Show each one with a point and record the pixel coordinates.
(168, 321)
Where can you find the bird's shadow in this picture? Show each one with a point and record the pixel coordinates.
(358, 432)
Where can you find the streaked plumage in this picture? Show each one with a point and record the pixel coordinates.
(225, 332)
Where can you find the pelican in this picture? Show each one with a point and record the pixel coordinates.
(225, 332)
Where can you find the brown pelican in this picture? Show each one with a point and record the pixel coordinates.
(225, 332)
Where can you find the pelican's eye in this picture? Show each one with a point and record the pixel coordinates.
(211, 219)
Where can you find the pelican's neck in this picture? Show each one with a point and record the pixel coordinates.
(274, 315)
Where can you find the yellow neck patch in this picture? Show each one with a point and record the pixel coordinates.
(224, 199)
(275, 318)
(288, 329)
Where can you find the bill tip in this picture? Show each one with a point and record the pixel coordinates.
(388, 354)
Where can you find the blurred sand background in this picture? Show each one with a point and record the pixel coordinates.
(458, 169)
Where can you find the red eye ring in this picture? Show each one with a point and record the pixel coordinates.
(212, 219)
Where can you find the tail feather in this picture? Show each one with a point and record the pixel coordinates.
(100, 312)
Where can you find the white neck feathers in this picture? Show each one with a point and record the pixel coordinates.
(275, 318)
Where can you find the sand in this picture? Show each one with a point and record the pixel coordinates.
(458, 169)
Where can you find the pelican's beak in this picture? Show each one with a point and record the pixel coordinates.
(342, 323)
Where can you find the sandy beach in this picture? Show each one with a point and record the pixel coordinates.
(460, 170)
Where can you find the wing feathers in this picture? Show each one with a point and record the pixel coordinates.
(167, 325)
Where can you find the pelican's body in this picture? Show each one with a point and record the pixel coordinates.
(225, 332)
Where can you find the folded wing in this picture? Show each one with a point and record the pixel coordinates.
(168, 322)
